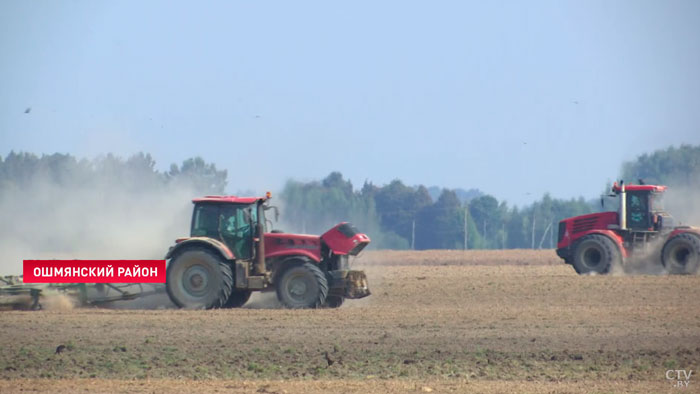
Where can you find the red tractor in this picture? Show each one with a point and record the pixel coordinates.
(229, 254)
(602, 242)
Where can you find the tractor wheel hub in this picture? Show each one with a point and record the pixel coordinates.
(298, 287)
(195, 280)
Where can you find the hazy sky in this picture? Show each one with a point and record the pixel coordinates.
(515, 98)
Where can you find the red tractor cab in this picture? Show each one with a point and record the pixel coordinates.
(230, 254)
(603, 242)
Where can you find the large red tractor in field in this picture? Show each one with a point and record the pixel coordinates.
(229, 254)
(602, 242)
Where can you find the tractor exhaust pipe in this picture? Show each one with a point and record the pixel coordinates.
(260, 268)
(623, 208)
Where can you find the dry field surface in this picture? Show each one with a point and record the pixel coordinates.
(437, 321)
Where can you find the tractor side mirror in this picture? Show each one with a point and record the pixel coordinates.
(248, 215)
(274, 208)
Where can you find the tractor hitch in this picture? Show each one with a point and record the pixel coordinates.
(349, 284)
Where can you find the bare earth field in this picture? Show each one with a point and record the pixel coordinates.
(437, 321)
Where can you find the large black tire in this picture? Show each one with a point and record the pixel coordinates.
(237, 298)
(302, 286)
(681, 254)
(199, 279)
(596, 253)
(334, 301)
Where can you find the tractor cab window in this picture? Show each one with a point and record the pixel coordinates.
(205, 221)
(237, 227)
(232, 224)
(657, 202)
(638, 210)
(235, 220)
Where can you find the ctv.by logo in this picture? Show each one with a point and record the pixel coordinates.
(680, 377)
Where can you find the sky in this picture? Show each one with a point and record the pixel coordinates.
(514, 98)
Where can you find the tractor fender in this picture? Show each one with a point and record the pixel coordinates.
(613, 236)
(680, 230)
(206, 242)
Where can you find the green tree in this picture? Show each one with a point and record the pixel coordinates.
(200, 175)
(440, 225)
(398, 206)
(670, 166)
(487, 217)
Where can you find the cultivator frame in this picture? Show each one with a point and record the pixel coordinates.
(14, 293)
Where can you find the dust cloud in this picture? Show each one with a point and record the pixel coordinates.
(645, 261)
(263, 300)
(158, 301)
(681, 202)
(57, 302)
(49, 218)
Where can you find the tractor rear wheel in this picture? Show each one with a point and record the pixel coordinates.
(596, 253)
(681, 254)
(302, 286)
(237, 298)
(199, 279)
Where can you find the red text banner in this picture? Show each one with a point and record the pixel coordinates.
(94, 271)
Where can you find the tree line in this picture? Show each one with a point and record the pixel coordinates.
(19, 171)
(679, 167)
(395, 215)
(398, 216)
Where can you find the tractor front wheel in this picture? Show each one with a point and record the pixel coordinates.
(596, 253)
(199, 279)
(302, 286)
(681, 254)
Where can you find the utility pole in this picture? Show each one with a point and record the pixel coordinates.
(544, 235)
(551, 237)
(533, 228)
(466, 229)
(413, 235)
(503, 233)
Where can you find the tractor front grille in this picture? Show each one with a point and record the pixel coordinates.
(358, 248)
(581, 225)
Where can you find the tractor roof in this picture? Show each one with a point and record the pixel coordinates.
(648, 188)
(228, 199)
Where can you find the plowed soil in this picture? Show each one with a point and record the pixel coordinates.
(437, 321)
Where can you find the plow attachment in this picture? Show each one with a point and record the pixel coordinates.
(17, 295)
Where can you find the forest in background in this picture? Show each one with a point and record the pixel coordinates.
(396, 216)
